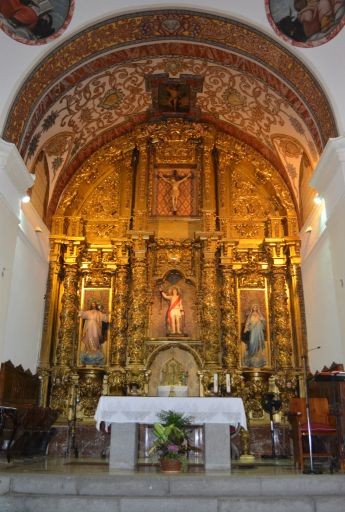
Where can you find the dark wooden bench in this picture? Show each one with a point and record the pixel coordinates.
(25, 428)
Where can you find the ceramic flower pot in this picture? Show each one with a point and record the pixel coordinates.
(170, 465)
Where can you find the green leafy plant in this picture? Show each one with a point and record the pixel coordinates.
(172, 436)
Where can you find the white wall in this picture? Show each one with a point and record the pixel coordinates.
(23, 264)
(323, 263)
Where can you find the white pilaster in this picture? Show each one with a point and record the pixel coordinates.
(23, 263)
(323, 259)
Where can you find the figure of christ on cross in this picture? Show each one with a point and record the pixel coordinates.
(174, 180)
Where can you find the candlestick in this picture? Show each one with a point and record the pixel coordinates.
(215, 383)
(228, 383)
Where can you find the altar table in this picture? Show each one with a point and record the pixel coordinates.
(125, 412)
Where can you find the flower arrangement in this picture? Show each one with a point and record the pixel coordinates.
(172, 436)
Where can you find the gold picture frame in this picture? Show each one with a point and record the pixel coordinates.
(253, 328)
(94, 356)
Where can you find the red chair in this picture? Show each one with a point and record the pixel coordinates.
(322, 425)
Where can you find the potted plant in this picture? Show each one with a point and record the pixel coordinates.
(172, 440)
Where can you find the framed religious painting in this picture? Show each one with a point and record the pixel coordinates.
(94, 332)
(254, 328)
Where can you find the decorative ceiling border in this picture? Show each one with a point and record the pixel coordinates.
(166, 25)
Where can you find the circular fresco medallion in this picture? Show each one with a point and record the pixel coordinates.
(35, 21)
(306, 23)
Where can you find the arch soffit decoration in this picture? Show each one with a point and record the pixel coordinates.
(284, 96)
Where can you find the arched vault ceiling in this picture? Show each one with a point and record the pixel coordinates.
(93, 88)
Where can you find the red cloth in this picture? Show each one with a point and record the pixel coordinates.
(16, 11)
(321, 427)
(171, 307)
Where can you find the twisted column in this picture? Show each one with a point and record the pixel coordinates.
(282, 335)
(137, 313)
(66, 346)
(118, 340)
(229, 319)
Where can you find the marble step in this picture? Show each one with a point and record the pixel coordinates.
(180, 493)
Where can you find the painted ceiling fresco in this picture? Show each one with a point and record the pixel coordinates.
(96, 86)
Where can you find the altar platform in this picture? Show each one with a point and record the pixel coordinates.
(75, 485)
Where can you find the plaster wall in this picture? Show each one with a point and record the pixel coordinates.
(23, 264)
(323, 268)
(322, 315)
(25, 305)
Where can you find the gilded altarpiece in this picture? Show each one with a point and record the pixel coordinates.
(186, 240)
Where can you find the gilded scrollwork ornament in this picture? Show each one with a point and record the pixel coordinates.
(118, 332)
(282, 335)
(66, 347)
(117, 383)
(230, 356)
(60, 382)
(90, 390)
(210, 313)
(138, 309)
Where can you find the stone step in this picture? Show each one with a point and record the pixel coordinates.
(180, 493)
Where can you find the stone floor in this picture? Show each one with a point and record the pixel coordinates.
(84, 466)
(87, 485)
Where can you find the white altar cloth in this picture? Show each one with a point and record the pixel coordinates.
(130, 409)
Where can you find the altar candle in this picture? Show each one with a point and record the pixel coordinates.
(215, 383)
(228, 382)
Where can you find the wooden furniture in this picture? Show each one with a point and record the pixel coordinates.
(323, 426)
(25, 428)
(328, 383)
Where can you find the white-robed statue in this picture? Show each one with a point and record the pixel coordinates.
(92, 335)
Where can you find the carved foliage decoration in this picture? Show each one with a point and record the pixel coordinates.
(67, 329)
(137, 313)
(282, 335)
(229, 326)
(90, 389)
(119, 324)
(108, 207)
(210, 312)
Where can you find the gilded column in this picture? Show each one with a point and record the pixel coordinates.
(210, 310)
(119, 324)
(137, 314)
(140, 185)
(282, 335)
(66, 346)
(209, 188)
(229, 319)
